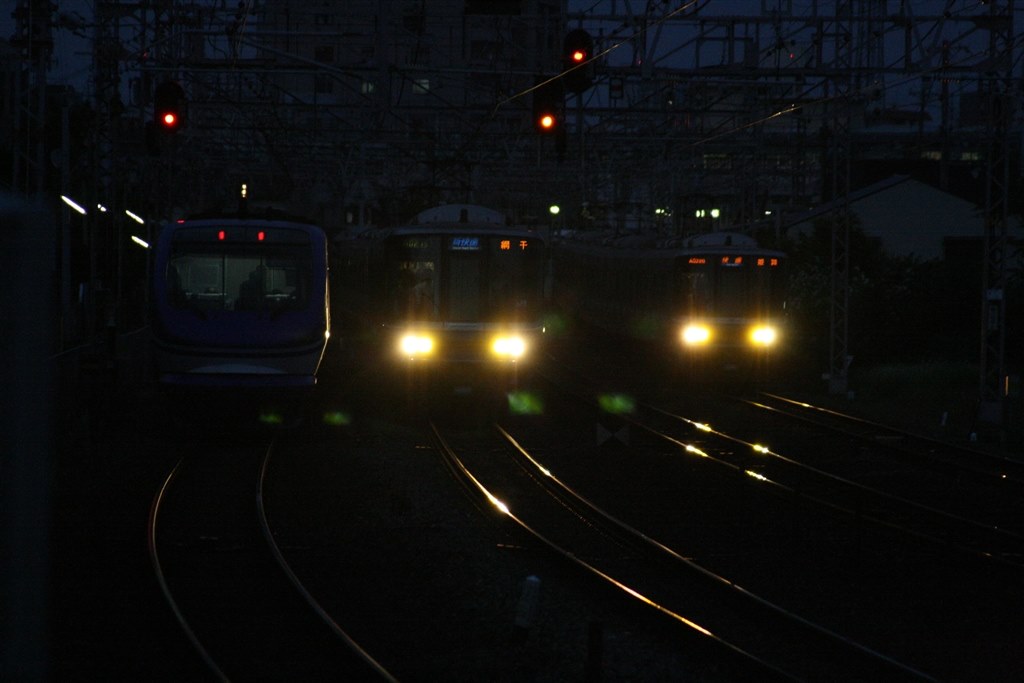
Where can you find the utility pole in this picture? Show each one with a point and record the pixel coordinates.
(34, 38)
(993, 389)
(839, 146)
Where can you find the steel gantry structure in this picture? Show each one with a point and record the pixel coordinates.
(366, 111)
(432, 100)
(33, 39)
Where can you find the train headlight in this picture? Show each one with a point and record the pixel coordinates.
(763, 335)
(696, 334)
(508, 346)
(416, 345)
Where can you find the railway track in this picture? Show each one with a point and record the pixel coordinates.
(760, 506)
(1005, 475)
(231, 590)
(964, 501)
(973, 518)
(448, 592)
(727, 623)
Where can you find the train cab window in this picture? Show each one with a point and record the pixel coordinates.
(196, 281)
(463, 278)
(412, 290)
(250, 292)
(411, 277)
(465, 299)
(206, 279)
(735, 295)
(698, 291)
(514, 279)
(729, 286)
(768, 289)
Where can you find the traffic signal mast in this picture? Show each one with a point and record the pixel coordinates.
(169, 106)
(577, 61)
(548, 105)
(168, 116)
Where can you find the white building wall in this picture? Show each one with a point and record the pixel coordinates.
(913, 219)
(910, 218)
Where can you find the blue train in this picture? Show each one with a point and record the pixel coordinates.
(454, 298)
(240, 303)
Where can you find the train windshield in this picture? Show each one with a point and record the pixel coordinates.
(464, 278)
(238, 275)
(733, 286)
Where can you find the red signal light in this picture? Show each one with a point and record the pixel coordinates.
(220, 235)
(577, 56)
(548, 101)
(169, 106)
(260, 236)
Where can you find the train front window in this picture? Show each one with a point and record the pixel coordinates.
(731, 286)
(495, 279)
(412, 289)
(411, 278)
(514, 279)
(464, 278)
(735, 297)
(466, 294)
(699, 292)
(218, 278)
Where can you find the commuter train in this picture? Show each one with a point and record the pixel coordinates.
(453, 299)
(240, 303)
(716, 301)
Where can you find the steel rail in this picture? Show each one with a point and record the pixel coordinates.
(154, 511)
(690, 564)
(856, 486)
(449, 454)
(268, 535)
